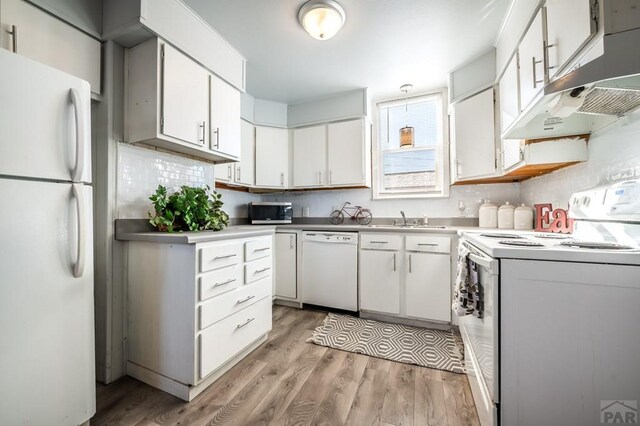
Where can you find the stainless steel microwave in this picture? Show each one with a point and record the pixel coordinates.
(264, 213)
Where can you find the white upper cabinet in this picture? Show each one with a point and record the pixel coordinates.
(310, 156)
(509, 94)
(185, 99)
(532, 64)
(245, 170)
(175, 104)
(569, 27)
(224, 118)
(272, 157)
(348, 153)
(35, 34)
(473, 137)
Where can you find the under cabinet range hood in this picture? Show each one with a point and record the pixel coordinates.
(601, 86)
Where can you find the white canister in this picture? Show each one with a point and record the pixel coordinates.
(488, 215)
(505, 216)
(523, 217)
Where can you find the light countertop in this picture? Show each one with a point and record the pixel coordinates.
(196, 237)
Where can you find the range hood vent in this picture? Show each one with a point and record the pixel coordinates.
(610, 101)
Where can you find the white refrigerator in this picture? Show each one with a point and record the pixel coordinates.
(47, 357)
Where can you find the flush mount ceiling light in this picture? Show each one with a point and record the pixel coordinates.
(406, 133)
(322, 19)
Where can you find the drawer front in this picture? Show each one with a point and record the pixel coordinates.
(381, 241)
(229, 303)
(429, 244)
(220, 255)
(220, 281)
(258, 270)
(236, 332)
(257, 249)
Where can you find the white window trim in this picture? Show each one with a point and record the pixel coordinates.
(443, 151)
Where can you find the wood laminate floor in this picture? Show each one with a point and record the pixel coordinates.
(288, 381)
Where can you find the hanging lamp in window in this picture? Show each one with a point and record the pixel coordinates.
(406, 133)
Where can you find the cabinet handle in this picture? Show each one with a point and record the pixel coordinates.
(229, 281)
(239, 326)
(246, 299)
(258, 271)
(379, 242)
(458, 169)
(224, 257)
(428, 244)
(238, 178)
(546, 53)
(14, 38)
(203, 126)
(409, 263)
(535, 78)
(394, 262)
(291, 241)
(319, 178)
(217, 132)
(262, 249)
(330, 177)
(282, 179)
(229, 171)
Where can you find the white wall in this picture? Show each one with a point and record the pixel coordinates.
(321, 203)
(614, 154)
(141, 170)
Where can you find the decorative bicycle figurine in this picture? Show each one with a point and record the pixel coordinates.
(363, 216)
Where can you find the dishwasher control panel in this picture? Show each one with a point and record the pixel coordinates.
(331, 237)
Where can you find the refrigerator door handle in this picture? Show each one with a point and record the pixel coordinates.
(81, 137)
(78, 268)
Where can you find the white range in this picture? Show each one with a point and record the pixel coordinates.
(558, 339)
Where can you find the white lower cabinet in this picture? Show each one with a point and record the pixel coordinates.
(406, 276)
(195, 310)
(380, 281)
(286, 283)
(428, 286)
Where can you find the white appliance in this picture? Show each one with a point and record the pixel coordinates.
(561, 336)
(47, 360)
(330, 269)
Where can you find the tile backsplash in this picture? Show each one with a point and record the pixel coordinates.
(614, 154)
(141, 170)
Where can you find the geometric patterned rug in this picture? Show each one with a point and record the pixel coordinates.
(439, 349)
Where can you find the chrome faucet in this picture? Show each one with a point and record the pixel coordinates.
(404, 218)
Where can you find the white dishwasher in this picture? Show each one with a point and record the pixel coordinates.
(330, 269)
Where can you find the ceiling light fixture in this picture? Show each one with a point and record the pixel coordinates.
(322, 19)
(406, 133)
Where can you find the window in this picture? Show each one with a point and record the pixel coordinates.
(417, 171)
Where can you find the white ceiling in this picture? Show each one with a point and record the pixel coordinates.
(384, 44)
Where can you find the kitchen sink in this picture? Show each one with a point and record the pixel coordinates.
(408, 226)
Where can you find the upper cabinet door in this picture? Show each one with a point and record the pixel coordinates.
(569, 27)
(185, 98)
(49, 40)
(532, 66)
(473, 136)
(246, 168)
(310, 156)
(272, 157)
(509, 94)
(346, 151)
(225, 118)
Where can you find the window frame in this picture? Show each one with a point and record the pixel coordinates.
(442, 151)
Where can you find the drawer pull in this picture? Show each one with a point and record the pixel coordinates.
(428, 244)
(239, 326)
(379, 242)
(262, 270)
(246, 299)
(229, 281)
(262, 249)
(224, 257)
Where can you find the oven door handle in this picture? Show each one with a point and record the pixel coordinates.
(487, 262)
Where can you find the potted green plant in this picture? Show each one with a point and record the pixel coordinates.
(189, 209)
